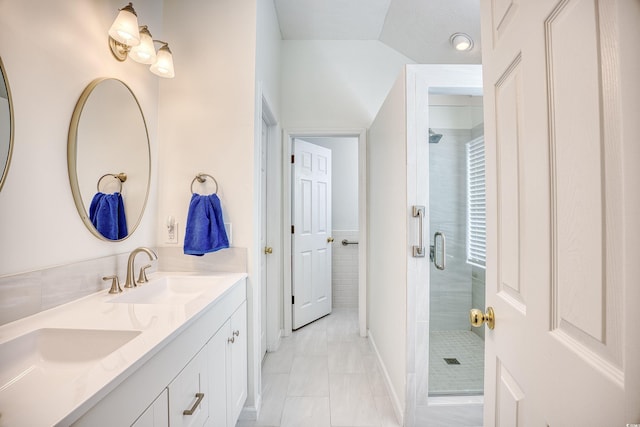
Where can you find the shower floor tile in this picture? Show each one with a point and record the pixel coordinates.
(465, 377)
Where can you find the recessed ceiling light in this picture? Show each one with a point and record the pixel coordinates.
(461, 41)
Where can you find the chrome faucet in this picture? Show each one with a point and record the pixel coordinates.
(131, 280)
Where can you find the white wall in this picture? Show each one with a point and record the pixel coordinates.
(51, 51)
(387, 258)
(268, 57)
(336, 84)
(455, 111)
(208, 116)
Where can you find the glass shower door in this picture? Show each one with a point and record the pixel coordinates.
(456, 352)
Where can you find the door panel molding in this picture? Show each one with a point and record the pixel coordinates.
(503, 13)
(586, 290)
(509, 398)
(508, 99)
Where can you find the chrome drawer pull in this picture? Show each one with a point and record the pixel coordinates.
(199, 396)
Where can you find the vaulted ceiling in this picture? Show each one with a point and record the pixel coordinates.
(419, 29)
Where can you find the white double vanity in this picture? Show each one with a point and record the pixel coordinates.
(171, 352)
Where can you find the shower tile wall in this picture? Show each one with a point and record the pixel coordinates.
(477, 294)
(478, 273)
(450, 296)
(344, 271)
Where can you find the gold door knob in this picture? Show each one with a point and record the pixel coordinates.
(477, 318)
(268, 250)
(329, 239)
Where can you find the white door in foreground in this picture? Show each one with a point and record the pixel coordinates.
(556, 197)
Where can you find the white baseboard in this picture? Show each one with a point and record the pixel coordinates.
(395, 401)
(274, 346)
(250, 413)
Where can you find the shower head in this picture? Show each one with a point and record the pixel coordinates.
(434, 138)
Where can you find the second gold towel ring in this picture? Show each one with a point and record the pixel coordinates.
(121, 177)
(201, 178)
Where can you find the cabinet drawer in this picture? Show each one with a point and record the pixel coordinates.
(189, 394)
(157, 414)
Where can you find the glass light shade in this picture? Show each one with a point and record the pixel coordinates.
(163, 66)
(125, 28)
(144, 53)
(461, 41)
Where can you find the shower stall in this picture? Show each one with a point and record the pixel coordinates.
(426, 271)
(450, 386)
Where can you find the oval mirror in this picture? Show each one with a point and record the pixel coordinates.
(6, 125)
(109, 159)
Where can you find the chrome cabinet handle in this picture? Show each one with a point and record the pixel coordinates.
(231, 340)
(418, 212)
(236, 333)
(199, 396)
(434, 257)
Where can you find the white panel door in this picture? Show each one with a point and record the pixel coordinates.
(263, 238)
(311, 239)
(555, 203)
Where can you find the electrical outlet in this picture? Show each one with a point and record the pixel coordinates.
(172, 233)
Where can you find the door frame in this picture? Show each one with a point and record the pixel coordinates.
(419, 79)
(273, 237)
(287, 144)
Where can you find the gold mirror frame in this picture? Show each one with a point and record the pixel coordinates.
(12, 125)
(72, 150)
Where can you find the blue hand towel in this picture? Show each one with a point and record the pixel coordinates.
(106, 213)
(205, 227)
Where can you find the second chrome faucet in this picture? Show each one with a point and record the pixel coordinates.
(130, 281)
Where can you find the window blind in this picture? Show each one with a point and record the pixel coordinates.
(476, 203)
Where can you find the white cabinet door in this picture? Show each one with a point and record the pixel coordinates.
(157, 414)
(217, 357)
(189, 394)
(227, 357)
(237, 364)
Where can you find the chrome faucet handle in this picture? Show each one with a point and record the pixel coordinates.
(142, 277)
(115, 284)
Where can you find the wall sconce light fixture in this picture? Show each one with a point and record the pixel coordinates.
(461, 41)
(128, 39)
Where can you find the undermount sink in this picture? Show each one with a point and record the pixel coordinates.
(56, 353)
(175, 290)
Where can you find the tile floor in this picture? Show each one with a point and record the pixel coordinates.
(465, 378)
(324, 375)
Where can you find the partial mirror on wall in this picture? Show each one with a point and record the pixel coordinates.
(6, 125)
(109, 159)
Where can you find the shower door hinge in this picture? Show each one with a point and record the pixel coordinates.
(292, 229)
(293, 159)
(293, 299)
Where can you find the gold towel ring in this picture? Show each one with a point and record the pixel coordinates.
(121, 177)
(201, 178)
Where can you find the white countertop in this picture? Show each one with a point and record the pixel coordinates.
(44, 400)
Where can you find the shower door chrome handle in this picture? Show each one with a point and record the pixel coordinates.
(418, 251)
(434, 256)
